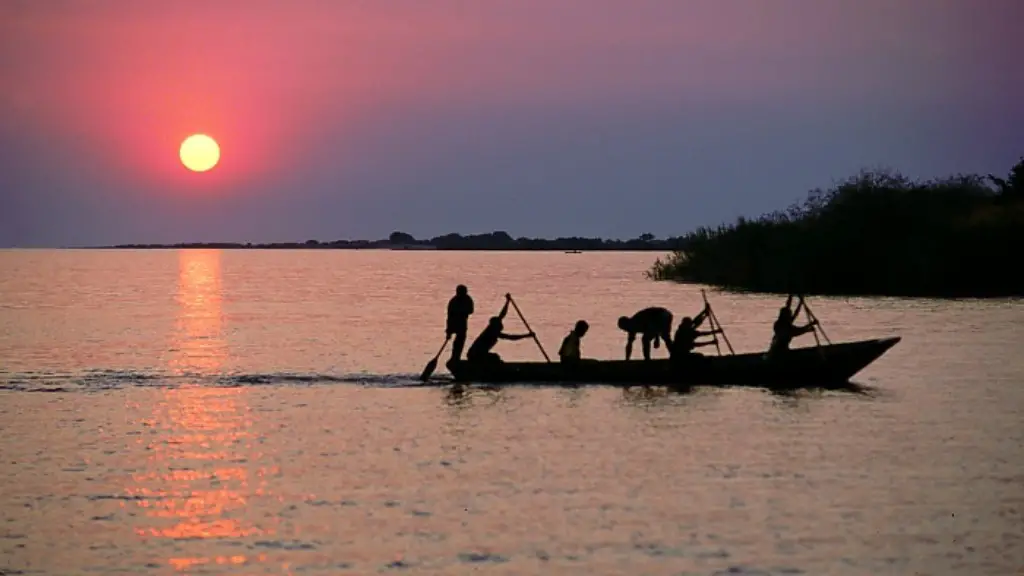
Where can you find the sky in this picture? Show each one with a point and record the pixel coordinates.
(354, 118)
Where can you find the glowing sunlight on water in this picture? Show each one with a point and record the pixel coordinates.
(258, 412)
(199, 345)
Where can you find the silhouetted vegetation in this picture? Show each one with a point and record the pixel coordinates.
(877, 233)
(403, 241)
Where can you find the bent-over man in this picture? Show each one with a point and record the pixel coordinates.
(653, 324)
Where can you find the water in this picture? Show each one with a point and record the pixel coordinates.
(206, 412)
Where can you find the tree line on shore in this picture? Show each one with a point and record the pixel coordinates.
(876, 233)
(498, 240)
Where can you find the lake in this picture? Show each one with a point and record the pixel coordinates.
(245, 412)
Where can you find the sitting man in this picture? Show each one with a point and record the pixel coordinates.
(569, 353)
(682, 349)
(652, 323)
(480, 350)
(785, 329)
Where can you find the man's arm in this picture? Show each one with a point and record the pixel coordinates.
(469, 306)
(629, 345)
(504, 309)
(804, 329)
(700, 318)
(799, 306)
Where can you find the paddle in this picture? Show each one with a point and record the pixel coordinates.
(711, 321)
(429, 369)
(528, 329)
(817, 324)
(715, 324)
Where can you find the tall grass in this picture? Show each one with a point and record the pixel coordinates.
(876, 233)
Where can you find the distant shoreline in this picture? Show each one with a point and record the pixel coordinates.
(495, 241)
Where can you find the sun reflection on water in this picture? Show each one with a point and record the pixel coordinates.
(198, 342)
(204, 463)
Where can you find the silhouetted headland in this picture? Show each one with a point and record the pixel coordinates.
(402, 241)
(877, 233)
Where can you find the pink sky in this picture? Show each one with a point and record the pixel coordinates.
(289, 87)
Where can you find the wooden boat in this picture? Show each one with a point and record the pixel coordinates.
(831, 364)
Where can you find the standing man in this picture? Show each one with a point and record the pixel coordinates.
(460, 308)
(653, 323)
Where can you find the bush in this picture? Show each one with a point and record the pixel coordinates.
(875, 233)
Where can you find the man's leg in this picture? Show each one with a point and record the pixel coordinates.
(458, 344)
(666, 337)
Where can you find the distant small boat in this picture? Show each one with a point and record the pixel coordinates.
(574, 252)
(810, 366)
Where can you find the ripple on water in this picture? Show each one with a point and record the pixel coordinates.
(100, 380)
(482, 557)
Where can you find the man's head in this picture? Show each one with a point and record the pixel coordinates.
(785, 313)
(495, 322)
(625, 323)
(581, 328)
(461, 290)
(686, 322)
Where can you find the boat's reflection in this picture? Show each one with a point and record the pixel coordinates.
(800, 397)
(466, 395)
(852, 388)
(461, 396)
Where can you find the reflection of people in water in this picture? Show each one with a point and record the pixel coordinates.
(480, 350)
(570, 350)
(785, 330)
(653, 324)
(460, 308)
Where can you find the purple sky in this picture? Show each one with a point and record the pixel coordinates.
(351, 119)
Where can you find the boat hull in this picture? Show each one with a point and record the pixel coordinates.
(810, 366)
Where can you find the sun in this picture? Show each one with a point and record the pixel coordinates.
(199, 153)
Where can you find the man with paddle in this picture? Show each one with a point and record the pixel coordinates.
(480, 350)
(686, 336)
(460, 308)
(785, 330)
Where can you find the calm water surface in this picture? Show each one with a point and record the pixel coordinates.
(208, 412)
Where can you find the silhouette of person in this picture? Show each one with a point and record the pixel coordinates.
(653, 324)
(682, 348)
(570, 350)
(480, 350)
(784, 329)
(460, 308)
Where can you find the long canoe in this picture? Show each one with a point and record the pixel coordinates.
(810, 366)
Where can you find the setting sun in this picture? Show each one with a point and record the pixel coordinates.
(199, 153)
